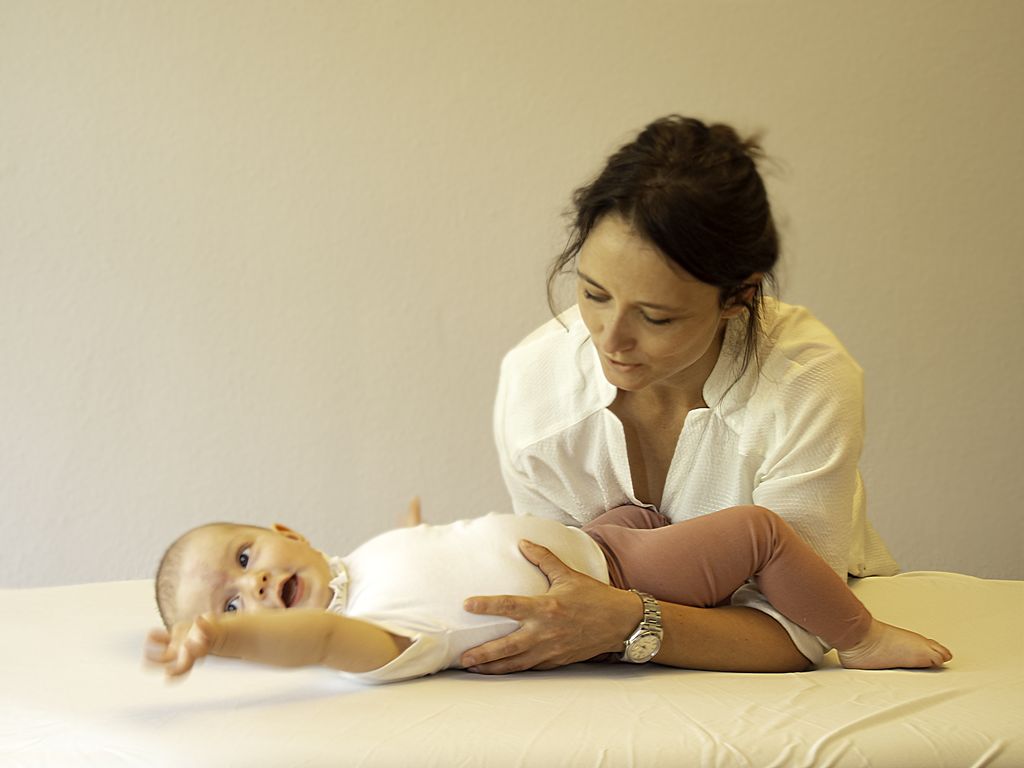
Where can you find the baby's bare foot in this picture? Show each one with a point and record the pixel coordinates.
(889, 647)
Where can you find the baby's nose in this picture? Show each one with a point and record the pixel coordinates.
(261, 584)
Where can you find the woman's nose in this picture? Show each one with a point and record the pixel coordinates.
(616, 336)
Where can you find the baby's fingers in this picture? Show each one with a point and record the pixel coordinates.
(183, 661)
(157, 649)
(195, 646)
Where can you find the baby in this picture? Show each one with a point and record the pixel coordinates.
(393, 609)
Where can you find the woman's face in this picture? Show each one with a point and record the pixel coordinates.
(653, 323)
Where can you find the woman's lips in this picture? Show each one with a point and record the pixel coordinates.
(622, 366)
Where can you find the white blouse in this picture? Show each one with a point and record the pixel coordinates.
(787, 436)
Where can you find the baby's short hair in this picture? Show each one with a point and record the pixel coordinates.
(168, 573)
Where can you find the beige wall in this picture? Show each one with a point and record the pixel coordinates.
(261, 260)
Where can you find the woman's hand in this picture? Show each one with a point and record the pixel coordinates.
(577, 619)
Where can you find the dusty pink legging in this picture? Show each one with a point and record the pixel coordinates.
(702, 561)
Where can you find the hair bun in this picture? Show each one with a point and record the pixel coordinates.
(726, 137)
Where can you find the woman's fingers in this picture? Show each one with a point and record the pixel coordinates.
(505, 654)
(512, 606)
(546, 560)
(504, 666)
(511, 653)
(578, 618)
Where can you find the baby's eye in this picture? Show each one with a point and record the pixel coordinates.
(231, 606)
(243, 557)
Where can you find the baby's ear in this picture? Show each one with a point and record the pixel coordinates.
(287, 532)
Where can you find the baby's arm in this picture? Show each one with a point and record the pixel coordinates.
(283, 638)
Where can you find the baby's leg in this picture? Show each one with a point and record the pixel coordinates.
(704, 560)
(614, 521)
(886, 647)
(698, 562)
(804, 588)
(630, 516)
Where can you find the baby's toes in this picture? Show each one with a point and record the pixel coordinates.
(939, 653)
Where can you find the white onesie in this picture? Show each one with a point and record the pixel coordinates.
(413, 581)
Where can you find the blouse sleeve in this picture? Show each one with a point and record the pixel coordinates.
(809, 475)
(524, 489)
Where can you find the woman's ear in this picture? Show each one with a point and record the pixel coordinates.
(741, 299)
(287, 532)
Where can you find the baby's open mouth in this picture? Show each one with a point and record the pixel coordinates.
(289, 590)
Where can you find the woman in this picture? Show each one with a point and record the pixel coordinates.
(676, 384)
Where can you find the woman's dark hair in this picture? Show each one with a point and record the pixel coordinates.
(694, 191)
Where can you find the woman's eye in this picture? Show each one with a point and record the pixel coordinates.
(231, 606)
(243, 557)
(594, 297)
(652, 321)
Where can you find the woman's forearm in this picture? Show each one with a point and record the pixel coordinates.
(726, 639)
(581, 618)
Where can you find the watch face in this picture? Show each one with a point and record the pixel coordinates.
(644, 647)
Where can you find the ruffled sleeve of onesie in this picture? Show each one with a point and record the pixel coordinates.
(427, 652)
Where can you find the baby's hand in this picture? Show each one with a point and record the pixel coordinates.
(414, 515)
(187, 642)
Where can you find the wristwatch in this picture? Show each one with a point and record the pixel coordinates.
(645, 642)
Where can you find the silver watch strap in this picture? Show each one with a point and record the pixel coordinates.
(652, 612)
(645, 641)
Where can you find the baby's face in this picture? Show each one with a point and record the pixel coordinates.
(238, 568)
